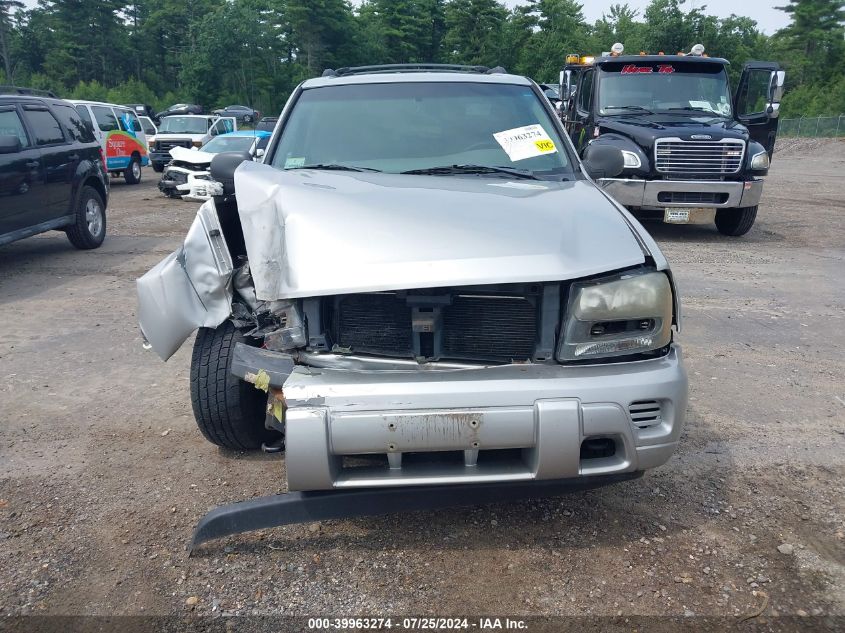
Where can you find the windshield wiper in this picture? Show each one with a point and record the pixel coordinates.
(635, 108)
(696, 109)
(445, 170)
(333, 166)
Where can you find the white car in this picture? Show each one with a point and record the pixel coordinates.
(187, 175)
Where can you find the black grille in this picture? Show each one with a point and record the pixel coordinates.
(375, 324)
(494, 328)
(177, 177)
(163, 145)
(693, 197)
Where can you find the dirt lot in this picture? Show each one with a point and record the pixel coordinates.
(103, 474)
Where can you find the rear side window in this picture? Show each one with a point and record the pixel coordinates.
(76, 128)
(85, 115)
(105, 118)
(43, 125)
(11, 125)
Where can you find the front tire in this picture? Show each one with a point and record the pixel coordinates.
(89, 227)
(132, 174)
(229, 412)
(158, 167)
(735, 222)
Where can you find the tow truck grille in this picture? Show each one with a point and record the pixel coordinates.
(706, 158)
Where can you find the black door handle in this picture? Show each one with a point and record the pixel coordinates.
(32, 164)
(73, 157)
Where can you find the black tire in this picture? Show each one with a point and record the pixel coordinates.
(229, 412)
(89, 226)
(735, 222)
(132, 174)
(158, 167)
(247, 118)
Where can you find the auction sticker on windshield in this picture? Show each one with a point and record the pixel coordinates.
(524, 142)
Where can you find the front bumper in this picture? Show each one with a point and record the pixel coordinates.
(492, 424)
(646, 194)
(160, 158)
(191, 185)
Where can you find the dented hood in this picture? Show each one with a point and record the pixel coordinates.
(311, 233)
(193, 156)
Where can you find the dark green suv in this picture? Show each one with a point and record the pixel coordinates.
(52, 175)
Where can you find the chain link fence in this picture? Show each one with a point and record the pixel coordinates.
(819, 126)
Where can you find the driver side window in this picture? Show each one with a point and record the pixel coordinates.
(753, 99)
(585, 91)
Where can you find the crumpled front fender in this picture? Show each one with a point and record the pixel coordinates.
(189, 288)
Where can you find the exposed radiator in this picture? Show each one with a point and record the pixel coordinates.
(476, 327)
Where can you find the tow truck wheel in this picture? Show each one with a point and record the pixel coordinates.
(158, 167)
(229, 412)
(735, 222)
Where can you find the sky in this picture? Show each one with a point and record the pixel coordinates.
(768, 18)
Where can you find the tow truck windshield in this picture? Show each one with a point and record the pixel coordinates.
(636, 88)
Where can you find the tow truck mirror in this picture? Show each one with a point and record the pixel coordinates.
(778, 79)
(223, 167)
(10, 144)
(603, 161)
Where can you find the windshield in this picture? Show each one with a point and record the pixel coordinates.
(672, 87)
(397, 127)
(184, 125)
(229, 144)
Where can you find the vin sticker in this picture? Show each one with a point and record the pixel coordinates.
(524, 142)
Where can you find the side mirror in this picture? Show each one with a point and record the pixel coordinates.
(213, 131)
(259, 153)
(10, 144)
(603, 161)
(223, 168)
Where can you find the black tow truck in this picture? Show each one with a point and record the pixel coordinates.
(694, 153)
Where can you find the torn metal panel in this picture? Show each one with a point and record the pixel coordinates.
(189, 288)
(312, 233)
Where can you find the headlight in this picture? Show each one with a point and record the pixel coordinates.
(196, 144)
(760, 161)
(618, 316)
(632, 161)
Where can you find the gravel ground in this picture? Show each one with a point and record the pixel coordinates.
(103, 473)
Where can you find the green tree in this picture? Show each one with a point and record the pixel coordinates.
(560, 28)
(7, 7)
(474, 32)
(812, 45)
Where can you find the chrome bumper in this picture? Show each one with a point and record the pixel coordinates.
(462, 419)
(643, 194)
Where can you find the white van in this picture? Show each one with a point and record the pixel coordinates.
(186, 130)
(119, 131)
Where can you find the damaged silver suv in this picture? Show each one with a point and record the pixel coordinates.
(422, 284)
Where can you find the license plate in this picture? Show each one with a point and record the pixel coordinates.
(676, 216)
(689, 215)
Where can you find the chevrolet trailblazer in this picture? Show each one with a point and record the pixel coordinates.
(422, 284)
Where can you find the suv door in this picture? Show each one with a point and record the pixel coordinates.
(58, 159)
(22, 191)
(757, 101)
